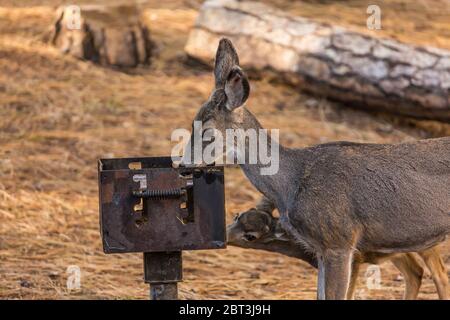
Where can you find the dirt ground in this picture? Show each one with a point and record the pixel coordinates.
(58, 115)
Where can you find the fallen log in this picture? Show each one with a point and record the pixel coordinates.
(372, 73)
(108, 35)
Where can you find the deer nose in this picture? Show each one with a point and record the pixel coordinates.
(249, 237)
(183, 161)
(179, 162)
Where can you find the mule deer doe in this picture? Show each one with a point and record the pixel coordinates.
(340, 198)
(257, 228)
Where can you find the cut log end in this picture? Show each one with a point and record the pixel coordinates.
(108, 35)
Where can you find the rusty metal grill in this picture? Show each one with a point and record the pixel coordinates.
(148, 206)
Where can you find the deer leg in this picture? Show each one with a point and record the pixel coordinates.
(320, 279)
(434, 262)
(334, 274)
(412, 273)
(353, 278)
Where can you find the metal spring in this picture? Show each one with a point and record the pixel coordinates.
(159, 194)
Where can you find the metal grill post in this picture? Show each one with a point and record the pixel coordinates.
(164, 291)
(163, 270)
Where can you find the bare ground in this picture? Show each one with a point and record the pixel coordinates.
(58, 115)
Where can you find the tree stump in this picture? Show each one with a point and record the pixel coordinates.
(108, 35)
(367, 72)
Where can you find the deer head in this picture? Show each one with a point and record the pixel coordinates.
(224, 108)
(254, 226)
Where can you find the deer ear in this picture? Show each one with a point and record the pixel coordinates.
(226, 59)
(266, 205)
(229, 76)
(237, 88)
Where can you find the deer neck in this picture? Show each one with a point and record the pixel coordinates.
(278, 186)
(290, 249)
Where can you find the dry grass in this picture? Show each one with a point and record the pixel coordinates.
(58, 115)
